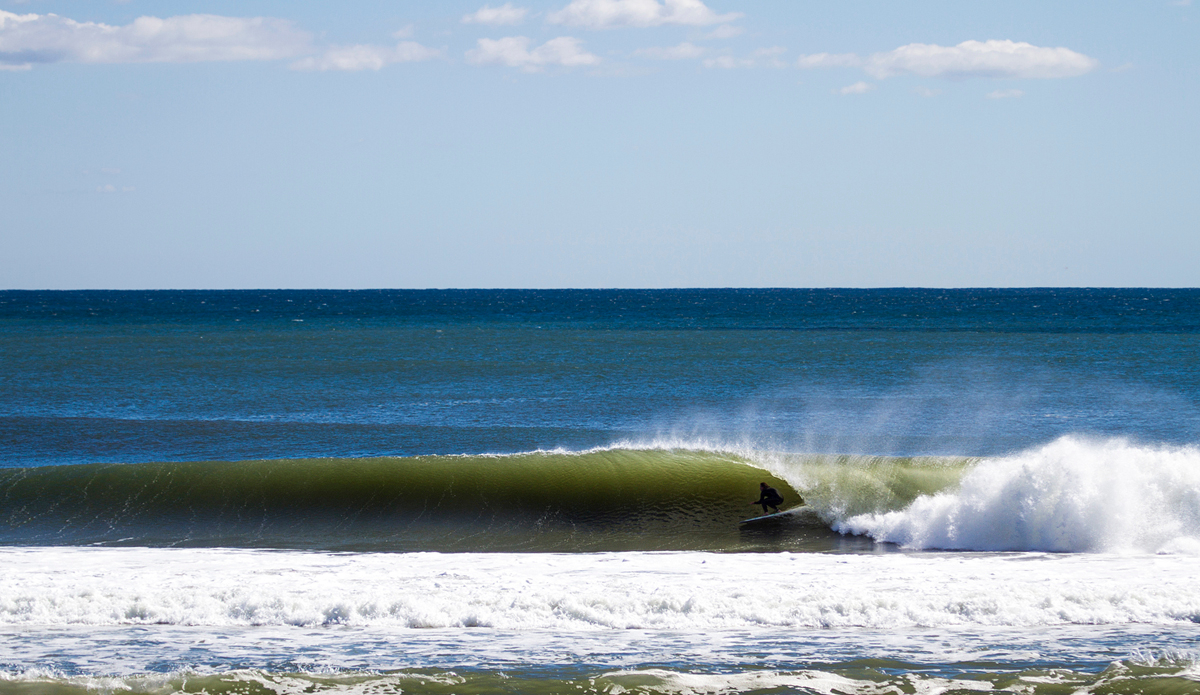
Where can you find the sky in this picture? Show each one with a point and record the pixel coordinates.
(598, 143)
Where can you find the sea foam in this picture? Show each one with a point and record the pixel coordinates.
(581, 591)
(1071, 495)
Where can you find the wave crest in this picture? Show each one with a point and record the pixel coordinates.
(1072, 495)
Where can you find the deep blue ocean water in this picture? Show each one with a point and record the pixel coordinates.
(153, 376)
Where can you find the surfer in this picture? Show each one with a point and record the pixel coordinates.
(768, 497)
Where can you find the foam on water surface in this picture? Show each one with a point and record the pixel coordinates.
(165, 659)
(76, 620)
(1072, 495)
(661, 591)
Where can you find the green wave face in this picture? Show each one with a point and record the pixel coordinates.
(602, 500)
(838, 487)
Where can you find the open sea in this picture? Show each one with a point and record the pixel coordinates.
(517, 491)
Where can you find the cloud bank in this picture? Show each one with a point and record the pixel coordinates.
(504, 15)
(32, 39)
(993, 58)
(606, 14)
(769, 57)
(514, 51)
(684, 51)
(366, 57)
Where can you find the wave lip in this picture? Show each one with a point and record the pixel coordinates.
(1072, 495)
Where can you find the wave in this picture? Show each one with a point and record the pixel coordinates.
(624, 497)
(1071, 495)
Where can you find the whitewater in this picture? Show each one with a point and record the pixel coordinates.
(1073, 495)
(604, 591)
(220, 620)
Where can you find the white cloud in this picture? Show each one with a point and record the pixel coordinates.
(927, 92)
(49, 38)
(770, 56)
(605, 14)
(857, 88)
(506, 14)
(762, 56)
(366, 57)
(725, 31)
(993, 58)
(980, 59)
(1005, 94)
(728, 62)
(513, 51)
(684, 51)
(829, 60)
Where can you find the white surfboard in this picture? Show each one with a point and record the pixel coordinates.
(773, 515)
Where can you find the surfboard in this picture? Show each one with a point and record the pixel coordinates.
(773, 515)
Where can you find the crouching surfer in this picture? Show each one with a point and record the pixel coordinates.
(768, 497)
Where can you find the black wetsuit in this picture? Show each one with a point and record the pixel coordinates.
(770, 498)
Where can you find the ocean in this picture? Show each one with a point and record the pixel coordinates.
(539, 491)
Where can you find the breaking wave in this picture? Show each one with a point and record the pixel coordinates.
(1071, 495)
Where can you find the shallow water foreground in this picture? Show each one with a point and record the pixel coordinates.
(212, 620)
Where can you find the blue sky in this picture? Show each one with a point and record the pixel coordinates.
(598, 143)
